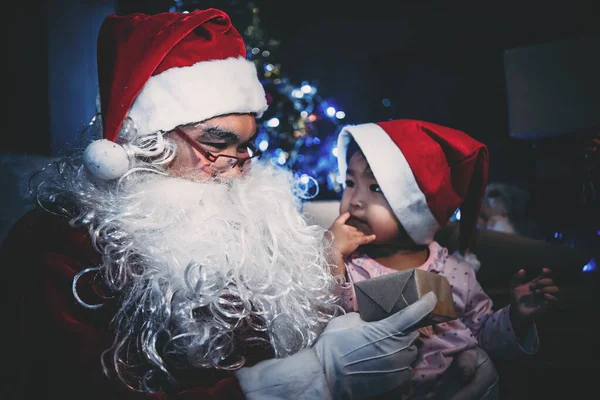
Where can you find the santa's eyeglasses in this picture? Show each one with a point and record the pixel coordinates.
(222, 162)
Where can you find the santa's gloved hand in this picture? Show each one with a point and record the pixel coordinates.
(369, 359)
(352, 359)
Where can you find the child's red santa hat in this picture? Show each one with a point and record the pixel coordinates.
(171, 69)
(425, 171)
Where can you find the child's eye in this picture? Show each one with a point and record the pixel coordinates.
(349, 184)
(375, 188)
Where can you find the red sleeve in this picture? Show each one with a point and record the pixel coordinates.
(55, 345)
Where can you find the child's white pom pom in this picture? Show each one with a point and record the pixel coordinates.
(106, 160)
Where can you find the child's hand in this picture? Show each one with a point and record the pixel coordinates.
(346, 238)
(530, 299)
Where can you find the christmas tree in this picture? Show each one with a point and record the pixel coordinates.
(299, 130)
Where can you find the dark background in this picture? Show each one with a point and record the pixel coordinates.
(434, 60)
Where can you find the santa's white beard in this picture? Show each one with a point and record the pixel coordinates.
(205, 266)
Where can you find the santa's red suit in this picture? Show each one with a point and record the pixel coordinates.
(55, 344)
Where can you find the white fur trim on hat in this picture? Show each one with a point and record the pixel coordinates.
(394, 176)
(196, 93)
(106, 160)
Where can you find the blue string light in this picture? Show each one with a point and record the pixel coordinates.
(299, 131)
(590, 266)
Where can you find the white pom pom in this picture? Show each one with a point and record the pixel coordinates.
(106, 160)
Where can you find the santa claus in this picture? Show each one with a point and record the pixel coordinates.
(166, 259)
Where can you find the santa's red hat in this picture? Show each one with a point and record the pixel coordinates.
(425, 171)
(171, 69)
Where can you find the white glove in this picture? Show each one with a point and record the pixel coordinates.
(352, 359)
(369, 359)
(299, 376)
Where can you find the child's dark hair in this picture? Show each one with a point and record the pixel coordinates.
(352, 148)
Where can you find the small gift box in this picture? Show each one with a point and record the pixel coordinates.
(385, 295)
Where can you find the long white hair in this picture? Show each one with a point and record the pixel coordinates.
(204, 271)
